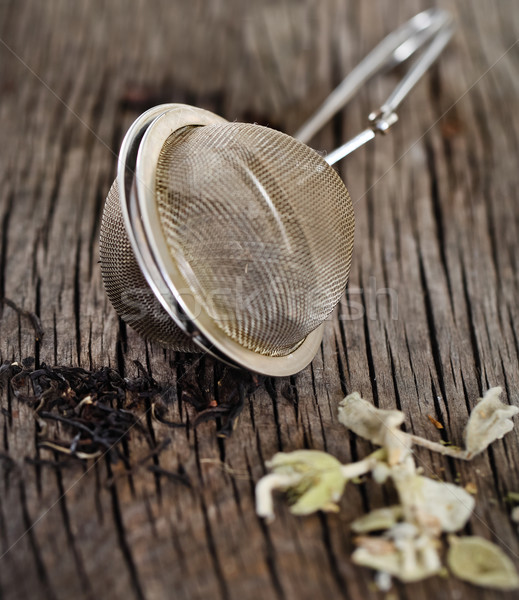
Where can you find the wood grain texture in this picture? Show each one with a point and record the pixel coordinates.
(430, 320)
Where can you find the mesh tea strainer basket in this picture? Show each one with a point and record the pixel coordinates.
(236, 239)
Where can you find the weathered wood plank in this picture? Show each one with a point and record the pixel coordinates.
(430, 319)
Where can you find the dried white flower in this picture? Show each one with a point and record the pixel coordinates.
(410, 557)
(489, 421)
(482, 563)
(381, 427)
(409, 548)
(435, 506)
(314, 481)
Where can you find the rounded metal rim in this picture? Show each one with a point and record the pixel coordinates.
(162, 271)
(132, 220)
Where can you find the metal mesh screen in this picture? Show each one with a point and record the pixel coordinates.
(126, 287)
(261, 228)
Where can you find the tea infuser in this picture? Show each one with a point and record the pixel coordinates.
(236, 239)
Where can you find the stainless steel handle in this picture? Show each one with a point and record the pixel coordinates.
(433, 29)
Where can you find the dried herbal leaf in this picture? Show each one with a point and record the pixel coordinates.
(366, 420)
(313, 480)
(435, 506)
(381, 427)
(478, 561)
(489, 421)
(378, 519)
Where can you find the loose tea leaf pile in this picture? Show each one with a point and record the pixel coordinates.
(404, 540)
(81, 413)
(87, 414)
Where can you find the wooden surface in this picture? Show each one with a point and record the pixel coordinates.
(437, 225)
